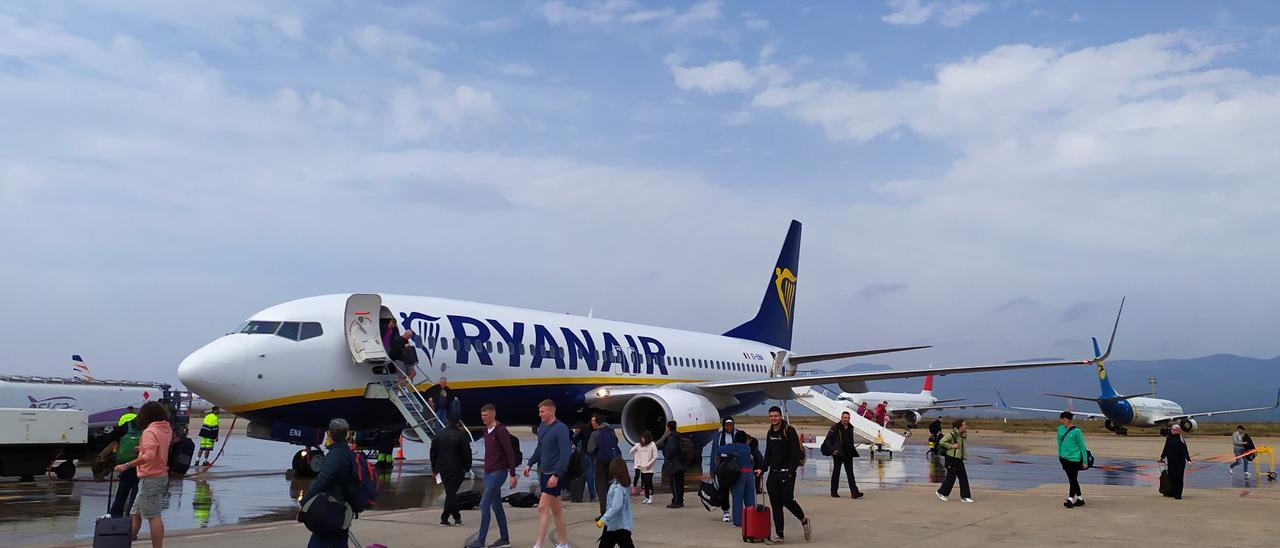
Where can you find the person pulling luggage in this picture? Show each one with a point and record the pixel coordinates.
(783, 453)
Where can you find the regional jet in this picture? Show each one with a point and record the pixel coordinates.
(1137, 411)
(292, 367)
(907, 406)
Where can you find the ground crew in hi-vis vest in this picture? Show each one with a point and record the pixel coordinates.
(208, 435)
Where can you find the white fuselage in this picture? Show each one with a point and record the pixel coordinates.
(899, 402)
(561, 357)
(1148, 412)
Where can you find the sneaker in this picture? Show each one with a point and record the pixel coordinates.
(808, 530)
(648, 500)
(562, 546)
(1231, 471)
(1248, 475)
(501, 543)
(445, 524)
(941, 497)
(1069, 504)
(726, 518)
(966, 500)
(776, 540)
(1079, 501)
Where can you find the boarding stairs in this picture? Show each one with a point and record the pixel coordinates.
(822, 401)
(421, 419)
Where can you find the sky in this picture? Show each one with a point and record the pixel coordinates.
(988, 177)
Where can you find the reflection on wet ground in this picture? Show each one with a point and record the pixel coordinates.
(249, 485)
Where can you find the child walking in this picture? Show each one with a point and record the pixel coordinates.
(616, 520)
(645, 456)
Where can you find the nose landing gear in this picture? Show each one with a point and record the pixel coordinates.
(306, 462)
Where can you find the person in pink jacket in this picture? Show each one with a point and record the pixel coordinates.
(645, 455)
(152, 464)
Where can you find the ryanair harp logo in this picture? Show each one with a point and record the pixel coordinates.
(785, 282)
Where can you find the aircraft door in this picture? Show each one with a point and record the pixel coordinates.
(363, 336)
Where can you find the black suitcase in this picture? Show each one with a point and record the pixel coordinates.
(180, 456)
(1166, 487)
(109, 532)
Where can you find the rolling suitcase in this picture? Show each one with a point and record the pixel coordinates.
(109, 532)
(756, 526)
(1166, 487)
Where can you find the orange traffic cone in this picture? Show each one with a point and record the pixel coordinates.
(400, 450)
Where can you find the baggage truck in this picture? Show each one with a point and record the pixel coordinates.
(32, 439)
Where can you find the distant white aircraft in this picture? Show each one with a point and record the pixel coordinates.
(906, 406)
(292, 367)
(1122, 412)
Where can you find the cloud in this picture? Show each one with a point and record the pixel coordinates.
(948, 13)
(714, 78)
(611, 12)
(432, 106)
(517, 69)
(377, 41)
(878, 290)
(753, 21)
(1079, 311)
(290, 26)
(1016, 303)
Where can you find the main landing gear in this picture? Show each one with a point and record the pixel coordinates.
(306, 462)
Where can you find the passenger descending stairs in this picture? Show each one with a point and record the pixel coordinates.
(822, 401)
(412, 404)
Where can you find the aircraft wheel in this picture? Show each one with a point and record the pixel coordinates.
(66, 470)
(306, 462)
(1271, 476)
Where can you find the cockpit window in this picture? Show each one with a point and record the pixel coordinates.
(260, 328)
(288, 330)
(310, 330)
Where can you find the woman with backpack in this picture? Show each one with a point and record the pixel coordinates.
(645, 455)
(616, 519)
(736, 475)
(1074, 457)
(152, 465)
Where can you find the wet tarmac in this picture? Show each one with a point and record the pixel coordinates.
(249, 485)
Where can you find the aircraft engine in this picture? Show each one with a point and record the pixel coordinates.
(911, 417)
(1188, 425)
(651, 410)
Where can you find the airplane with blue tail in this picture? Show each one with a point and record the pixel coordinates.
(292, 367)
(1121, 412)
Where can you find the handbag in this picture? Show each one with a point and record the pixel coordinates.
(324, 514)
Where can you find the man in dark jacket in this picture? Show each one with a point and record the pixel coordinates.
(1177, 456)
(451, 459)
(336, 478)
(673, 465)
(441, 397)
(602, 447)
(843, 451)
(783, 453)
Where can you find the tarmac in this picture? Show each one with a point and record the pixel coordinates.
(908, 516)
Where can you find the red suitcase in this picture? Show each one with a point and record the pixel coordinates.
(756, 526)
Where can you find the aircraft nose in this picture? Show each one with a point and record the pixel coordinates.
(216, 371)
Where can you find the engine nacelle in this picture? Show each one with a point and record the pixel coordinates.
(1188, 425)
(651, 410)
(911, 417)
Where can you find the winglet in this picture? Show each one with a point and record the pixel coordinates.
(1114, 328)
(1000, 403)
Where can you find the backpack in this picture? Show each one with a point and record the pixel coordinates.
(687, 450)
(128, 448)
(1249, 446)
(828, 444)
(521, 500)
(467, 500)
(575, 464)
(364, 493)
(515, 449)
(729, 472)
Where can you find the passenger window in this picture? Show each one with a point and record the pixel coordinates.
(444, 344)
(488, 346)
(499, 347)
(310, 330)
(288, 330)
(260, 328)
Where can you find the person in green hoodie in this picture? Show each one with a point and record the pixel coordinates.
(1074, 457)
(953, 449)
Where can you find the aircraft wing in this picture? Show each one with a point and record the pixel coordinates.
(956, 406)
(1224, 412)
(777, 384)
(1001, 404)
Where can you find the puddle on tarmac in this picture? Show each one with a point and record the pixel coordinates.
(250, 486)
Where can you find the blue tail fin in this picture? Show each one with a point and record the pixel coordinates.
(1107, 390)
(772, 324)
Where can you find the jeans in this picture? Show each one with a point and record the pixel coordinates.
(782, 488)
(646, 480)
(836, 463)
(955, 470)
(743, 493)
(591, 478)
(492, 499)
(124, 493)
(1235, 450)
(677, 488)
(602, 483)
(1072, 468)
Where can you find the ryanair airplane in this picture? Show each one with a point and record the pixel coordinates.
(292, 367)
